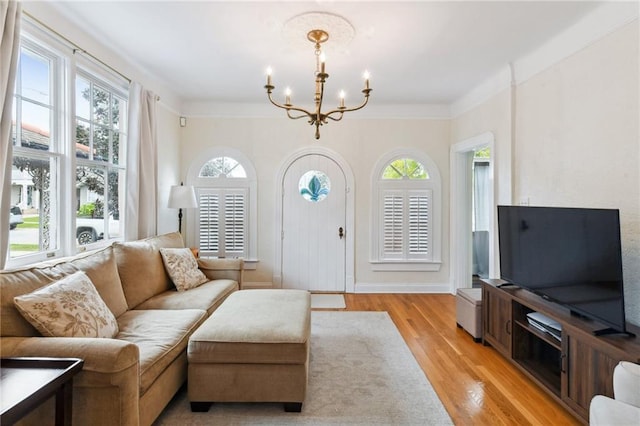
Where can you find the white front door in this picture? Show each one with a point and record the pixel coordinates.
(314, 225)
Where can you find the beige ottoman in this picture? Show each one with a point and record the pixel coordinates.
(253, 348)
(469, 311)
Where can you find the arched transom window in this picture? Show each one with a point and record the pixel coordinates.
(406, 205)
(222, 167)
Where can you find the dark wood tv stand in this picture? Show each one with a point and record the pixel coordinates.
(573, 369)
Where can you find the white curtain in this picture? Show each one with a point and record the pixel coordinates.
(142, 165)
(9, 51)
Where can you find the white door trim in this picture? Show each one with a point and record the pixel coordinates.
(350, 213)
(460, 213)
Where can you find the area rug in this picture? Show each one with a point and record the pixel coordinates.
(361, 373)
(328, 301)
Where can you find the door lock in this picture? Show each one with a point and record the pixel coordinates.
(340, 232)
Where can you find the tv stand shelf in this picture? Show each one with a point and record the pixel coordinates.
(573, 369)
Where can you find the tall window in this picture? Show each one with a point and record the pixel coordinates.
(406, 220)
(61, 171)
(225, 222)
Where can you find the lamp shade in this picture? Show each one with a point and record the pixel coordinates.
(182, 197)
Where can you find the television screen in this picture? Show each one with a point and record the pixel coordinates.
(571, 256)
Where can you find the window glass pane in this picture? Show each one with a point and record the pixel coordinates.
(83, 96)
(223, 167)
(90, 220)
(100, 143)
(35, 77)
(405, 168)
(36, 128)
(116, 148)
(101, 105)
(13, 121)
(115, 191)
(115, 113)
(33, 201)
(314, 186)
(82, 139)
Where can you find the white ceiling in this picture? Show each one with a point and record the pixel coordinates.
(417, 52)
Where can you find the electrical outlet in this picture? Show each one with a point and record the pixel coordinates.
(524, 201)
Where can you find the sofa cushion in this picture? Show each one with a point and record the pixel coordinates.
(161, 336)
(21, 281)
(101, 268)
(207, 296)
(182, 268)
(141, 269)
(70, 307)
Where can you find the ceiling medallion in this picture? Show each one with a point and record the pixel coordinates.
(319, 28)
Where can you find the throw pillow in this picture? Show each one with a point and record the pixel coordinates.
(182, 267)
(70, 307)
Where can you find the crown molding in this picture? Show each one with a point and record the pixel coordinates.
(602, 21)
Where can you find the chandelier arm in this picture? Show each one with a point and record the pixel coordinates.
(362, 105)
(304, 115)
(289, 108)
(333, 118)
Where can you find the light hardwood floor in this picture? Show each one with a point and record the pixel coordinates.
(476, 385)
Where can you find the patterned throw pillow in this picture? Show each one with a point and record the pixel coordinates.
(70, 307)
(182, 267)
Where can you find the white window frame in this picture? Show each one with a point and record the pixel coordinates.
(405, 188)
(62, 132)
(246, 185)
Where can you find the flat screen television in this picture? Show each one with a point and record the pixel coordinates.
(571, 256)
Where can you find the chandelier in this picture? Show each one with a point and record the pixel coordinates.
(317, 117)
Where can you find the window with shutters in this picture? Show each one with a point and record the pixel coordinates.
(225, 220)
(406, 209)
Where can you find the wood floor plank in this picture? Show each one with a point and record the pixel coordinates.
(475, 383)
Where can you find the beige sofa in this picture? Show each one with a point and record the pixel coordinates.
(127, 380)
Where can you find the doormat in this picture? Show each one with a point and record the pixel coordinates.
(328, 301)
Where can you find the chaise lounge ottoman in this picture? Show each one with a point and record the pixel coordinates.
(253, 348)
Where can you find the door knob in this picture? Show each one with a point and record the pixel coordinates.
(340, 232)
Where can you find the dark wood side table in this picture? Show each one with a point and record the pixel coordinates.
(25, 383)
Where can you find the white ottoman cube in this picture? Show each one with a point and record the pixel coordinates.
(469, 311)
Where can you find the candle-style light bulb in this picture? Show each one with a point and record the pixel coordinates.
(366, 76)
(342, 94)
(323, 59)
(269, 72)
(287, 96)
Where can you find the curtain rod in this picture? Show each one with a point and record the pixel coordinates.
(76, 48)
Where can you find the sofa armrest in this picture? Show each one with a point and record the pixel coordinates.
(215, 269)
(105, 392)
(626, 383)
(99, 355)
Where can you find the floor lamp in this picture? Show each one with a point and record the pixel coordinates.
(182, 197)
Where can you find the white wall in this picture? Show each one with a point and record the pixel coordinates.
(576, 140)
(268, 142)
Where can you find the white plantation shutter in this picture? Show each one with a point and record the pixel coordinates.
(209, 218)
(234, 223)
(222, 222)
(405, 224)
(418, 233)
(393, 223)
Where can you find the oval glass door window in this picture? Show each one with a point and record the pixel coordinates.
(314, 186)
